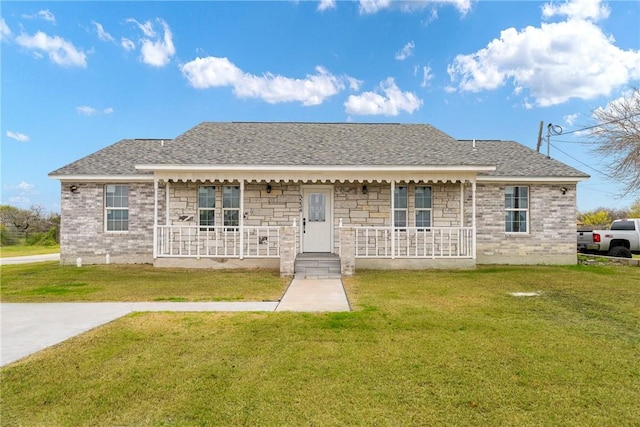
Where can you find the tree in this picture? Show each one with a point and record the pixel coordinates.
(617, 133)
(634, 211)
(597, 219)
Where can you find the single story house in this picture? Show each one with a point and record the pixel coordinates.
(225, 195)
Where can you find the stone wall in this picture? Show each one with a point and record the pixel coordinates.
(83, 232)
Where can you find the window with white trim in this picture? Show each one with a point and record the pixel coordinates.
(116, 207)
(400, 207)
(231, 206)
(423, 207)
(206, 206)
(516, 215)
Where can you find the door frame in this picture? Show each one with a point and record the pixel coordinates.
(312, 187)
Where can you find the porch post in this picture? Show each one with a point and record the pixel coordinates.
(461, 204)
(393, 228)
(241, 219)
(473, 216)
(167, 220)
(155, 217)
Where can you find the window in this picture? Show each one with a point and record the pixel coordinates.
(516, 202)
(423, 207)
(231, 206)
(400, 207)
(207, 206)
(117, 207)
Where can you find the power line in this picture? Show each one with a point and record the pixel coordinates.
(602, 124)
(583, 163)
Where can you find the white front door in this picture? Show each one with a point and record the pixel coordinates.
(316, 219)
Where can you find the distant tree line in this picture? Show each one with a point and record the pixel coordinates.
(602, 217)
(32, 226)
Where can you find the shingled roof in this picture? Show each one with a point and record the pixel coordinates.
(318, 145)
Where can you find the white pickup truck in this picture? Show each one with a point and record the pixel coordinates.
(621, 240)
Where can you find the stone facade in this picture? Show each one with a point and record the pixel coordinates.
(550, 239)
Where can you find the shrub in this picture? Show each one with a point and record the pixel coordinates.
(43, 239)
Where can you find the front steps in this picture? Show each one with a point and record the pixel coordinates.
(317, 266)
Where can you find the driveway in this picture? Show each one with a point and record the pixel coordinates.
(29, 259)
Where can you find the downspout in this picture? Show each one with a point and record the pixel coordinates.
(461, 240)
(155, 218)
(241, 219)
(392, 225)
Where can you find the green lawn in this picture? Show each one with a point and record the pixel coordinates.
(52, 282)
(420, 348)
(24, 250)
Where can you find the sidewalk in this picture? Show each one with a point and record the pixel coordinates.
(27, 328)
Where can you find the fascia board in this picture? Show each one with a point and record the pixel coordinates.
(549, 179)
(103, 178)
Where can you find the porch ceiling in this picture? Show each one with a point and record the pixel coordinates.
(252, 173)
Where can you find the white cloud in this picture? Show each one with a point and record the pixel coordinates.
(555, 62)
(127, 44)
(24, 186)
(20, 201)
(42, 14)
(570, 119)
(426, 76)
(156, 50)
(326, 4)
(18, 136)
(374, 6)
(87, 110)
(212, 71)
(406, 51)
(60, 51)
(580, 9)
(392, 103)
(5, 31)
(102, 34)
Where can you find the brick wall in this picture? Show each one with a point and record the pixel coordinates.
(552, 226)
(82, 228)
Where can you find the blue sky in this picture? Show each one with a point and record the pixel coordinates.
(78, 76)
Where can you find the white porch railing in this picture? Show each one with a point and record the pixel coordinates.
(192, 241)
(411, 242)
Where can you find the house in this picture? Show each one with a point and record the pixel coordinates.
(225, 195)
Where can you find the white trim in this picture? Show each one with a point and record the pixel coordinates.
(241, 219)
(529, 179)
(473, 219)
(155, 219)
(314, 168)
(103, 178)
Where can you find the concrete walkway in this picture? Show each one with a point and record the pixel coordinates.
(26, 328)
(314, 295)
(29, 259)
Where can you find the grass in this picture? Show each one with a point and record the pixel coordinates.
(52, 282)
(24, 250)
(420, 348)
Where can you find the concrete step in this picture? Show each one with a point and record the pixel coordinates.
(317, 266)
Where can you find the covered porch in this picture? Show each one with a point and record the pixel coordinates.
(416, 217)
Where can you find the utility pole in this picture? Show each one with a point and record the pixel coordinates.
(539, 137)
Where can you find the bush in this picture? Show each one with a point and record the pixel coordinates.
(43, 239)
(6, 238)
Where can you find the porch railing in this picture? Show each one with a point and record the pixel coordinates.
(408, 242)
(218, 242)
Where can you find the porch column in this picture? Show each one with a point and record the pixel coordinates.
(393, 228)
(461, 204)
(473, 216)
(155, 217)
(241, 219)
(167, 220)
